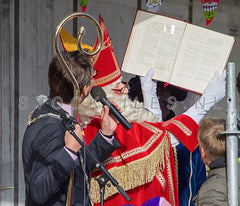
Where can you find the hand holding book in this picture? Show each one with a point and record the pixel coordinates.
(149, 91)
(215, 92)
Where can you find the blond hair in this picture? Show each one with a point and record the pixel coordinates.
(213, 143)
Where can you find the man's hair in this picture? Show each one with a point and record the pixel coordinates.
(59, 81)
(213, 143)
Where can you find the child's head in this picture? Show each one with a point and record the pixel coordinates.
(213, 143)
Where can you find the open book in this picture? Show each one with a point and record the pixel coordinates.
(182, 54)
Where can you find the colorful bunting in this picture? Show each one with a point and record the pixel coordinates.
(209, 8)
(153, 5)
(83, 4)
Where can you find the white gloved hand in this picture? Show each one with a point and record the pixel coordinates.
(215, 92)
(149, 91)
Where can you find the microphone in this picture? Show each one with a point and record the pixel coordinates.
(98, 94)
(52, 105)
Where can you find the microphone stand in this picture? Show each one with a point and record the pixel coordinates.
(106, 176)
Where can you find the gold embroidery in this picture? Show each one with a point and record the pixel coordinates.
(180, 125)
(161, 180)
(31, 121)
(137, 172)
(171, 186)
(176, 162)
(190, 178)
(107, 78)
(111, 76)
(138, 150)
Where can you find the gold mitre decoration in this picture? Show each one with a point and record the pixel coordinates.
(70, 43)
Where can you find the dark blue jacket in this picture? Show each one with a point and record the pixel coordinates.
(47, 165)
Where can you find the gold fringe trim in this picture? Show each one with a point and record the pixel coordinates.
(135, 173)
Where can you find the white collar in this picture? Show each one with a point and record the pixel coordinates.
(68, 108)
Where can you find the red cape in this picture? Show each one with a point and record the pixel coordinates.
(144, 164)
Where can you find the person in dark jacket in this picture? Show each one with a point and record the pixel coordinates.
(212, 147)
(50, 153)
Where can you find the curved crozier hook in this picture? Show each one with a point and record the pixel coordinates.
(61, 59)
(81, 33)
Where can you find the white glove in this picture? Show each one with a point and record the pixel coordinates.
(149, 91)
(215, 92)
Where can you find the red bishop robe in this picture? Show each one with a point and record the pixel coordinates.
(144, 164)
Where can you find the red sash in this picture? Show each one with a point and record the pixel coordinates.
(185, 129)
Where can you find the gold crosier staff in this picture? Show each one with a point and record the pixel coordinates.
(81, 33)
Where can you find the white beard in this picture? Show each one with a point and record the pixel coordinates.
(133, 111)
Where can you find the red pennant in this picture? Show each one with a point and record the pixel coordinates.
(209, 8)
(84, 8)
(83, 4)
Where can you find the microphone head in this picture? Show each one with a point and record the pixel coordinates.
(97, 93)
(41, 99)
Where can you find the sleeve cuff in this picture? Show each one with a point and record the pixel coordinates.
(109, 138)
(70, 152)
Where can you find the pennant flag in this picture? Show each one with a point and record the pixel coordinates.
(153, 5)
(83, 4)
(209, 8)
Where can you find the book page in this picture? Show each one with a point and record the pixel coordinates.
(202, 53)
(153, 43)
